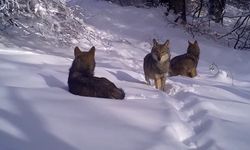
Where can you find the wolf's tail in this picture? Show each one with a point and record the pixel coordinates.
(118, 93)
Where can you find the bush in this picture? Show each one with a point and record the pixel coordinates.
(50, 19)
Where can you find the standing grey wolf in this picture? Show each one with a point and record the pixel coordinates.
(81, 80)
(186, 64)
(156, 64)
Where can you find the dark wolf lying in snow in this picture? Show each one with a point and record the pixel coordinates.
(81, 80)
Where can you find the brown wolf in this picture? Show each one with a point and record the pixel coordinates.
(156, 64)
(186, 64)
(81, 80)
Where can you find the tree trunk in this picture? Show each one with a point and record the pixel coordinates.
(216, 10)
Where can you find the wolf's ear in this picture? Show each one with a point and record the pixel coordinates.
(189, 42)
(92, 51)
(77, 51)
(195, 42)
(155, 42)
(167, 43)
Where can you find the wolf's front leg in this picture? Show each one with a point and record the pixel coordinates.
(147, 80)
(193, 73)
(163, 83)
(157, 83)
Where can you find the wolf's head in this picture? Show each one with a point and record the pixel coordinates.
(193, 49)
(84, 62)
(160, 52)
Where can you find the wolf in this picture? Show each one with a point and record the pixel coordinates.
(156, 64)
(186, 64)
(81, 79)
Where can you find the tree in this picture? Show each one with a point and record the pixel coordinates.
(8, 9)
(216, 9)
(50, 19)
(240, 33)
(149, 3)
(179, 8)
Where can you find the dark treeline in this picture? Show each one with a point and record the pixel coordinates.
(197, 14)
(55, 17)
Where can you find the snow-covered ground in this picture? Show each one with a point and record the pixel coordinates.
(208, 112)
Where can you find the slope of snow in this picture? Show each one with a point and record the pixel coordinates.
(208, 112)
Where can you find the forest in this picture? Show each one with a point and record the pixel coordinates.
(49, 18)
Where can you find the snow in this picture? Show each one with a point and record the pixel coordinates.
(208, 112)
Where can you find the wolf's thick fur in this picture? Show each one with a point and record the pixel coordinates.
(186, 64)
(156, 64)
(81, 80)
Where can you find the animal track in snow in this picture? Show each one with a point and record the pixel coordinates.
(196, 120)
